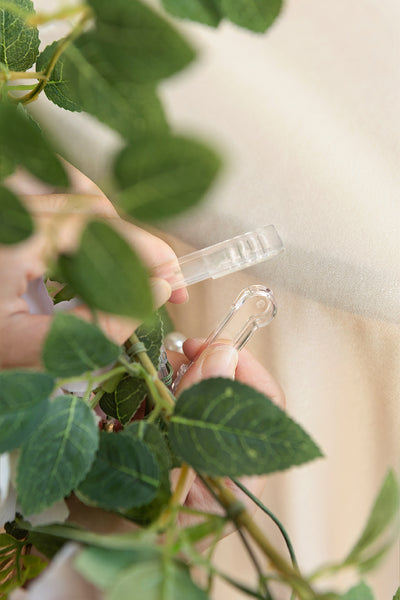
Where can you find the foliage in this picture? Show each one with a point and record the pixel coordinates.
(110, 65)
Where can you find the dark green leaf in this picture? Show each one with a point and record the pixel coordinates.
(162, 176)
(256, 15)
(74, 346)
(161, 579)
(107, 274)
(48, 545)
(57, 88)
(27, 147)
(203, 11)
(58, 454)
(359, 592)
(102, 566)
(23, 402)
(124, 474)
(123, 402)
(223, 427)
(155, 440)
(132, 43)
(151, 334)
(384, 511)
(16, 223)
(19, 43)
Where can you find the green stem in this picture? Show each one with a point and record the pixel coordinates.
(64, 13)
(12, 88)
(272, 516)
(60, 48)
(96, 399)
(242, 519)
(94, 379)
(12, 75)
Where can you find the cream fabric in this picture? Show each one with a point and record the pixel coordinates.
(308, 119)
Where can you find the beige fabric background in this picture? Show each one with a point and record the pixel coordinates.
(307, 117)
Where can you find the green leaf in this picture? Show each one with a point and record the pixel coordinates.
(359, 592)
(124, 474)
(161, 579)
(19, 43)
(162, 176)
(384, 511)
(151, 334)
(27, 147)
(132, 43)
(256, 15)
(107, 274)
(203, 11)
(58, 88)
(132, 110)
(101, 566)
(7, 166)
(16, 223)
(23, 402)
(223, 427)
(397, 594)
(74, 346)
(155, 440)
(58, 454)
(124, 401)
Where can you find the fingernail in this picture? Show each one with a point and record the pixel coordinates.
(161, 291)
(218, 361)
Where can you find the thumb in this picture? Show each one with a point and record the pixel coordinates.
(219, 360)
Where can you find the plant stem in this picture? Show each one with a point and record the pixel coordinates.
(95, 379)
(63, 13)
(163, 392)
(243, 519)
(60, 48)
(272, 516)
(12, 75)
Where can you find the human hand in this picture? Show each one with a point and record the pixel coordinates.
(60, 220)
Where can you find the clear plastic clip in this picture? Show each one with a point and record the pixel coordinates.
(221, 259)
(255, 307)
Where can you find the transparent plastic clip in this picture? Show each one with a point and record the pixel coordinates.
(223, 258)
(254, 308)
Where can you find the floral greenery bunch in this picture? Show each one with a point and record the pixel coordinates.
(109, 65)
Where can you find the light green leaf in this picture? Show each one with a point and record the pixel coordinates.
(58, 454)
(155, 440)
(23, 402)
(161, 579)
(132, 43)
(162, 176)
(223, 427)
(384, 512)
(124, 401)
(107, 274)
(124, 474)
(16, 223)
(132, 110)
(256, 15)
(359, 592)
(101, 566)
(397, 594)
(203, 11)
(74, 346)
(57, 88)
(27, 147)
(19, 43)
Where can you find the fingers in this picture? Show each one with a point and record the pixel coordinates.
(248, 371)
(219, 360)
